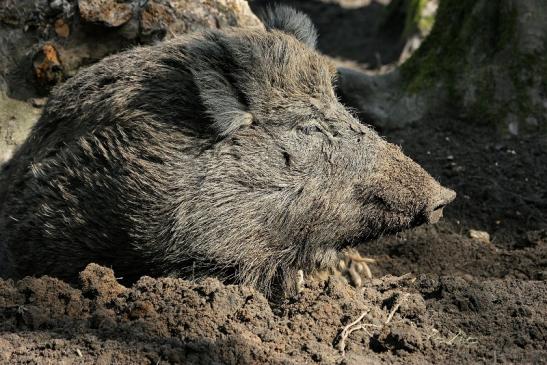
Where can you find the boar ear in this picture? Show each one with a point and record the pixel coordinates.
(291, 21)
(222, 102)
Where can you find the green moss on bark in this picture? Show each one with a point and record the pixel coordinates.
(416, 19)
(464, 30)
(412, 13)
(472, 50)
(442, 55)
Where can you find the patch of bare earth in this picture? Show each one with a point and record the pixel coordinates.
(392, 320)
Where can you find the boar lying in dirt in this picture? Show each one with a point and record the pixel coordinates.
(224, 153)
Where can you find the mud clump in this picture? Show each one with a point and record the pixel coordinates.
(99, 282)
(177, 321)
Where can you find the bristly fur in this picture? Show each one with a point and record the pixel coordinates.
(290, 21)
(222, 153)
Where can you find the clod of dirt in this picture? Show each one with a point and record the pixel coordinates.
(99, 282)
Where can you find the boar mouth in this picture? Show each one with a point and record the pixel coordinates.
(367, 235)
(430, 214)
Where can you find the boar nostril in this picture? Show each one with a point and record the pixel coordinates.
(440, 206)
(432, 213)
(445, 197)
(435, 214)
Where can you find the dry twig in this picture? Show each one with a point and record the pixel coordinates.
(403, 298)
(357, 325)
(346, 332)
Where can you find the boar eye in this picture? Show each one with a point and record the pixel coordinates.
(310, 129)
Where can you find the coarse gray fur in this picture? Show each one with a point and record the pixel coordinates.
(291, 21)
(221, 153)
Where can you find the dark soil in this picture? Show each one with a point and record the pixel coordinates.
(437, 319)
(465, 300)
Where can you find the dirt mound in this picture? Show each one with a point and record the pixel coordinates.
(395, 320)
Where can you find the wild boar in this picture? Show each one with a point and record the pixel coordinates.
(223, 153)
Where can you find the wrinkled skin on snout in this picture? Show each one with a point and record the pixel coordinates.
(224, 153)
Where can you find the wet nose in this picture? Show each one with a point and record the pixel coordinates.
(434, 211)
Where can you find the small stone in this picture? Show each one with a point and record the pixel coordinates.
(47, 66)
(108, 13)
(56, 4)
(38, 102)
(532, 121)
(481, 236)
(467, 277)
(513, 128)
(61, 28)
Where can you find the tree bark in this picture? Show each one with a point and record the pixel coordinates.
(484, 61)
(417, 18)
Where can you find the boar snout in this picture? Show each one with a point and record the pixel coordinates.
(403, 194)
(434, 211)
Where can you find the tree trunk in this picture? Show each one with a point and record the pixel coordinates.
(484, 61)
